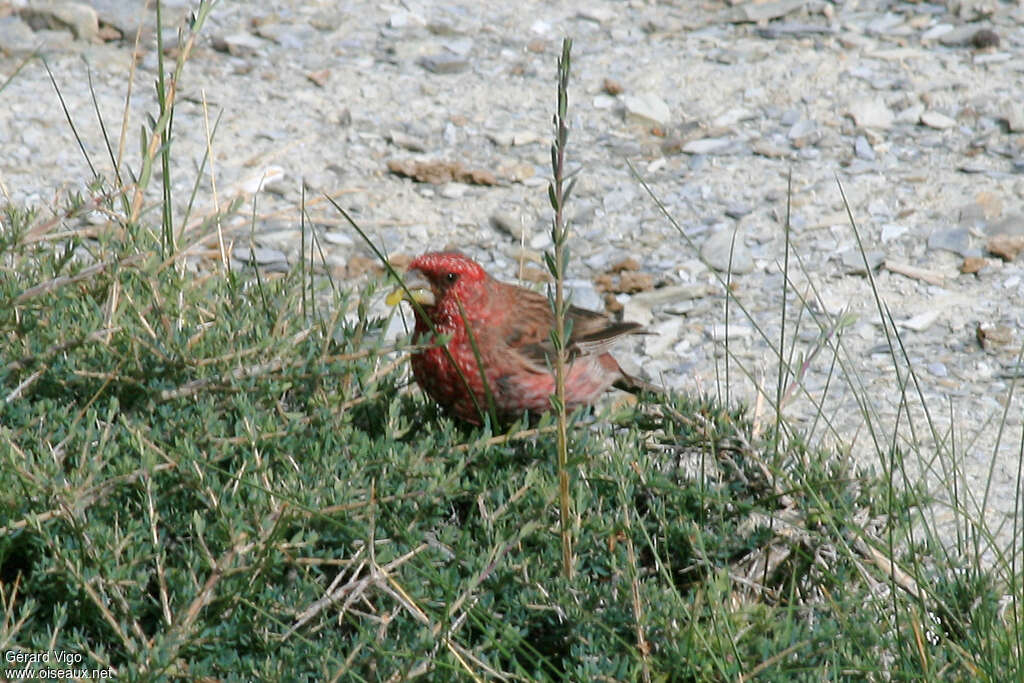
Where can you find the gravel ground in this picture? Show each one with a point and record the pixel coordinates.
(917, 108)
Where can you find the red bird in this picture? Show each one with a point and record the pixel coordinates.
(511, 328)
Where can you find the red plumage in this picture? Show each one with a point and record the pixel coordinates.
(511, 327)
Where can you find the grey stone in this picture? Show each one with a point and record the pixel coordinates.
(646, 108)
(911, 114)
(892, 231)
(444, 63)
(585, 295)
(956, 240)
(287, 35)
(706, 145)
(854, 262)
(736, 210)
(126, 17)
(512, 224)
(936, 120)
(400, 139)
(959, 37)
(1012, 224)
(16, 37)
(618, 199)
(936, 32)
(790, 117)
(339, 239)
(77, 17)
(755, 12)
(802, 129)
(259, 255)
(241, 44)
(1013, 115)
(863, 149)
(405, 19)
(722, 253)
(871, 114)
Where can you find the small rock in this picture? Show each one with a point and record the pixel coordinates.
(452, 190)
(16, 37)
(767, 149)
(936, 32)
(737, 211)
(956, 240)
(585, 295)
(958, 37)
(541, 240)
(57, 15)
(1006, 247)
(921, 321)
(801, 131)
(934, 119)
(991, 204)
(319, 78)
(911, 114)
(126, 17)
(618, 199)
(892, 231)
(260, 256)
(511, 224)
(459, 46)
(854, 262)
(238, 44)
(611, 87)
(599, 15)
(972, 264)
(636, 311)
(732, 117)
(722, 253)
(631, 282)
(628, 263)
(647, 108)
(757, 12)
(790, 117)
(1013, 115)
(440, 172)
(871, 114)
(671, 294)
(287, 34)
(938, 369)
(444, 63)
(404, 19)
(1012, 224)
(261, 179)
(400, 139)
(340, 239)
(989, 335)
(863, 149)
(706, 145)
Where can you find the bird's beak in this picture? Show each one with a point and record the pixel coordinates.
(418, 288)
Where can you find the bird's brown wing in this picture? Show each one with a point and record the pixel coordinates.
(526, 327)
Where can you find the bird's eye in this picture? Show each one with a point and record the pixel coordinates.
(451, 277)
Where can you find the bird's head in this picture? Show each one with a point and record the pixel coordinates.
(439, 281)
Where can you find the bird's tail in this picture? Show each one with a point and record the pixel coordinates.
(635, 385)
